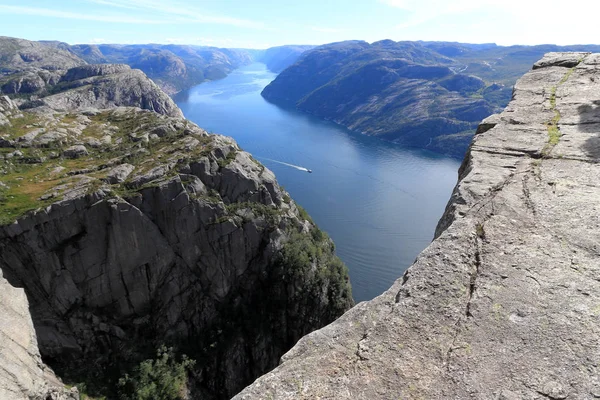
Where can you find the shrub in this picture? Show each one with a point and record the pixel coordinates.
(163, 378)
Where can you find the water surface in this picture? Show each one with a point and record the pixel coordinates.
(379, 202)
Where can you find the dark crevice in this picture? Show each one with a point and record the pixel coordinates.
(477, 268)
(527, 195)
(403, 292)
(126, 292)
(360, 356)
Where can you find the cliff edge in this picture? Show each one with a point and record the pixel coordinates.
(505, 302)
(125, 228)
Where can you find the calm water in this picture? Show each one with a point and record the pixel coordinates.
(378, 201)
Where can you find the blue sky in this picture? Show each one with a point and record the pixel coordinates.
(265, 23)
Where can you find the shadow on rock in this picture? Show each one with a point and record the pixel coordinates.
(589, 122)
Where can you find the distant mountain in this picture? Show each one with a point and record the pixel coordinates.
(22, 55)
(279, 58)
(424, 94)
(172, 67)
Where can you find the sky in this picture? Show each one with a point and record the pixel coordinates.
(267, 23)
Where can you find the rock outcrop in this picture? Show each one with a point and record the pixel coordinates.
(130, 229)
(18, 55)
(22, 373)
(51, 79)
(504, 303)
(113, 86)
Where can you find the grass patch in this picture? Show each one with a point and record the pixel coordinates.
(304, 214)
(19, 126)
(26, 184)
(552, 125)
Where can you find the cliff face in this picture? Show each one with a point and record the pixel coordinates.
(129, 229)
(504, 302)
(22, 373)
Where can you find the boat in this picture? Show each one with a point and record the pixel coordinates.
(309, 171)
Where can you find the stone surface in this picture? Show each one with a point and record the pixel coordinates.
(23, 376)
(120, 173)
(125, 87)
(75, 151)
(504, 303)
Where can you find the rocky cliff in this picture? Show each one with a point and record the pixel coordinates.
(22, 372)
(504, 303)
(130, 228)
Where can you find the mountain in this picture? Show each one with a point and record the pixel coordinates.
(279, 58)
(424, 94)
(128, 233)
(503, 304)
(172, 67)
(22, 55)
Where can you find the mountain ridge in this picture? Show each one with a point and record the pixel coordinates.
(429, 95)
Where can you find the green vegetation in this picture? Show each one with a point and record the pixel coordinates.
(28, 180)
(303, 214)
(552, 125)
(25, 184)
(270, 214)
(20, 126)
(162, 378)
(311, 259)
(223, 162)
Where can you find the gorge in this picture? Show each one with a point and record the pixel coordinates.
(125, 227)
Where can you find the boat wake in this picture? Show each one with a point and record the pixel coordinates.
(284, 163)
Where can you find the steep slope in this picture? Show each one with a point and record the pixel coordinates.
(401, 91)
(504, 303)
(425, 94)
(129, 229)
(22, 373)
